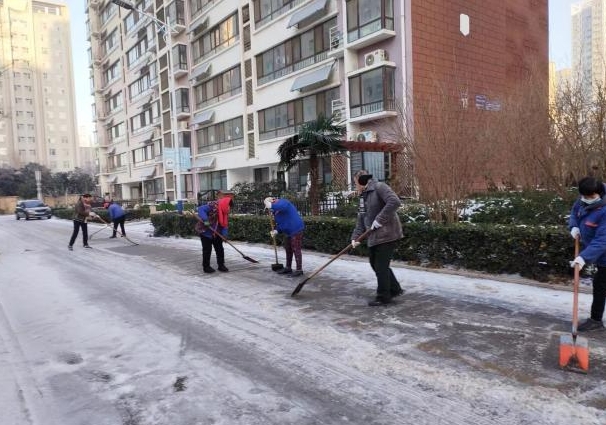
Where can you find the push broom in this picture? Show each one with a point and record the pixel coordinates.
(574, 350)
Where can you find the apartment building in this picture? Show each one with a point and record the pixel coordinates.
(37, 107)
(589, 43)
(246, 74)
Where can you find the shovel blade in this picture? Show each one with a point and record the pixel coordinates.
(574, 353)
(276, 267)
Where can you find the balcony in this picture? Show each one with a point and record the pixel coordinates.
(372, 93)
(369, 23)
(371, 111)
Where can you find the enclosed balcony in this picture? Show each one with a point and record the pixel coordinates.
(372, 94)
(368, 22)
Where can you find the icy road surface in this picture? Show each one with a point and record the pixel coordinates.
(137, 335)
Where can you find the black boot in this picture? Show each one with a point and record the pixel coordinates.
(208, 269)
(285, 270)
(222, 268)
(379, 302)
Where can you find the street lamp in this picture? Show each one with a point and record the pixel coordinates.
(166, 30)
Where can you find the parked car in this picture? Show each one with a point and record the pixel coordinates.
(32, 208)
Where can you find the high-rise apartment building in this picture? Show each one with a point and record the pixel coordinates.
(37, 110)
(589, 43)
(248, 74)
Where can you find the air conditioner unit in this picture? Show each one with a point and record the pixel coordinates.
(366, 136)
(183, 125)
(377, 56)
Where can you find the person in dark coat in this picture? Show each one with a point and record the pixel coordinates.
(587, 223)
(82, 212)
(213, 221)
(117, 215)
(289, 222)
(377, 211)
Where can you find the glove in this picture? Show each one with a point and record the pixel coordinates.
(375, 225)
(354, 243)
(93, 214)
(273, 233)
(579, 260)
(575, 233)
(206, 223)
(267, 203)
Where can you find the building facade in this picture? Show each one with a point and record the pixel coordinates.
(588, 43)
(245, 75)
(37, 106)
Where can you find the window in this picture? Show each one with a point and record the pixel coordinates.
(365, 17)
(372, 92)
(182, 100)
(283, 120)
(261, 175)
(114, 103)
(111, 41)
(137, 51)
(107, 12)
(112, 72)
(295, 54)
(219, 37)
(116, 131)
(197, 6)
(221, 87)
(216, 180)
(180, 57)
(144, 83)
(143, 155)
(227, 134)
(176, 13)
(267, 10)
(145, 118)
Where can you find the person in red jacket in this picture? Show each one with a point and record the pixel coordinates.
(214, 221)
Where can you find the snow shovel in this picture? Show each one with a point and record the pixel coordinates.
(276, 266)
(109, 226)
(574, 350)
(333, 258)
(252, 260)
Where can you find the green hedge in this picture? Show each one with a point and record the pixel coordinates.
(537, 252)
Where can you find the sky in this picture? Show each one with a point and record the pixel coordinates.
(559, 48)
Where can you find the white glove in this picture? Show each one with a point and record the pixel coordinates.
(93, 214)
(354, 243)
(575, 233)
(579, 260)
(273, 233)
(375, 225)
(267, 202)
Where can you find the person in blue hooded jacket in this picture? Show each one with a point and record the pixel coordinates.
(289, 222)
(587, 222)
(117, 215)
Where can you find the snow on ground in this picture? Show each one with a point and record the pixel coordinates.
(124, 364)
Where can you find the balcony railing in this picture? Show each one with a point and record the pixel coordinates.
(369, 28)
(372, 108)
(297, 66)
(227, 43)
(225, 144)
(219, 98)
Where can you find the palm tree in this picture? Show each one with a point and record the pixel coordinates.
(315, 139)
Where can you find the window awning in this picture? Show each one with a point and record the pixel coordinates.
(306, 12)
(149, 137)
(147, 173)
(111, 150)
(312, 79)
(113, 180)
(200, 72)
(202, 21)
(206, 163)
(203, 118)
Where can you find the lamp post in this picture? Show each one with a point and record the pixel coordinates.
(166, 30)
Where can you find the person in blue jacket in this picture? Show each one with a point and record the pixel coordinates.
(213, 223)
(588, 223)
(117, 215)
(289, 222)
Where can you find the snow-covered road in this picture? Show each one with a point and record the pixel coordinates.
(137, 335)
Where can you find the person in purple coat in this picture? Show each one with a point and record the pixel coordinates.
(289, 222)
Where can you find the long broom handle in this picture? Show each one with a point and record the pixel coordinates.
(575, 299)
(343, 251)
(273, 238)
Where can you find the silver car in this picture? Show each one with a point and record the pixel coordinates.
(32, 208)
